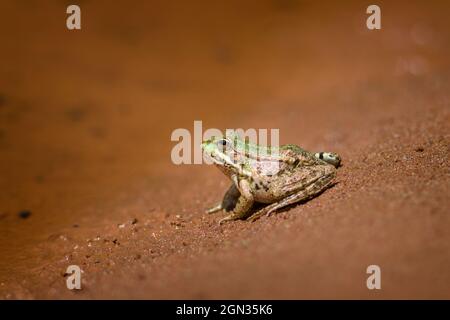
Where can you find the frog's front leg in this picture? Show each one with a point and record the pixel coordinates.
(243, 203)
(229, 200)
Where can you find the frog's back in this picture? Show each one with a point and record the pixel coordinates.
(294, 151)
(294, 148)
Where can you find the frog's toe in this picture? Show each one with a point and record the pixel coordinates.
(214, 209)
(226, 219)
(267, 211)
(257, 215)
(253, 218)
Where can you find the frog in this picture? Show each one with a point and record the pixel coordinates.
(274, 177)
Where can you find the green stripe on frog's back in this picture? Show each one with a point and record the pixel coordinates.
(259, 152)
(253, 150)
(295, 148)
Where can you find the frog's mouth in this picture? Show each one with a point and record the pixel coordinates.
(218, 158)
(221, 160)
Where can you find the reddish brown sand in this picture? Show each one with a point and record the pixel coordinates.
(85, 124)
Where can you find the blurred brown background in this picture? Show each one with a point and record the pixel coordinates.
(85, 124)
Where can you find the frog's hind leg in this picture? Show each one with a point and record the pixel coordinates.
(303, 194)
(329, 157)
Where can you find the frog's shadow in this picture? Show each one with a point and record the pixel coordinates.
(258, 205)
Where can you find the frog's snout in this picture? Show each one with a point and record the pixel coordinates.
(206, 146)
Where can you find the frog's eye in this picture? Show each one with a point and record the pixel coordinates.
(223, 143)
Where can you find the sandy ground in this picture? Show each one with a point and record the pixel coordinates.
(86, 176)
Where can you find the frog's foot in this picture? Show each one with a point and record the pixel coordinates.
(237, 215)
(306, 193)
(265, 211)
(229, 217)
(240, 212)
(214, 209)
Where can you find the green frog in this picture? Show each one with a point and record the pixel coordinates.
(274, 176)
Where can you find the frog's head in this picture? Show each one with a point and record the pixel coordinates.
(222, 151)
